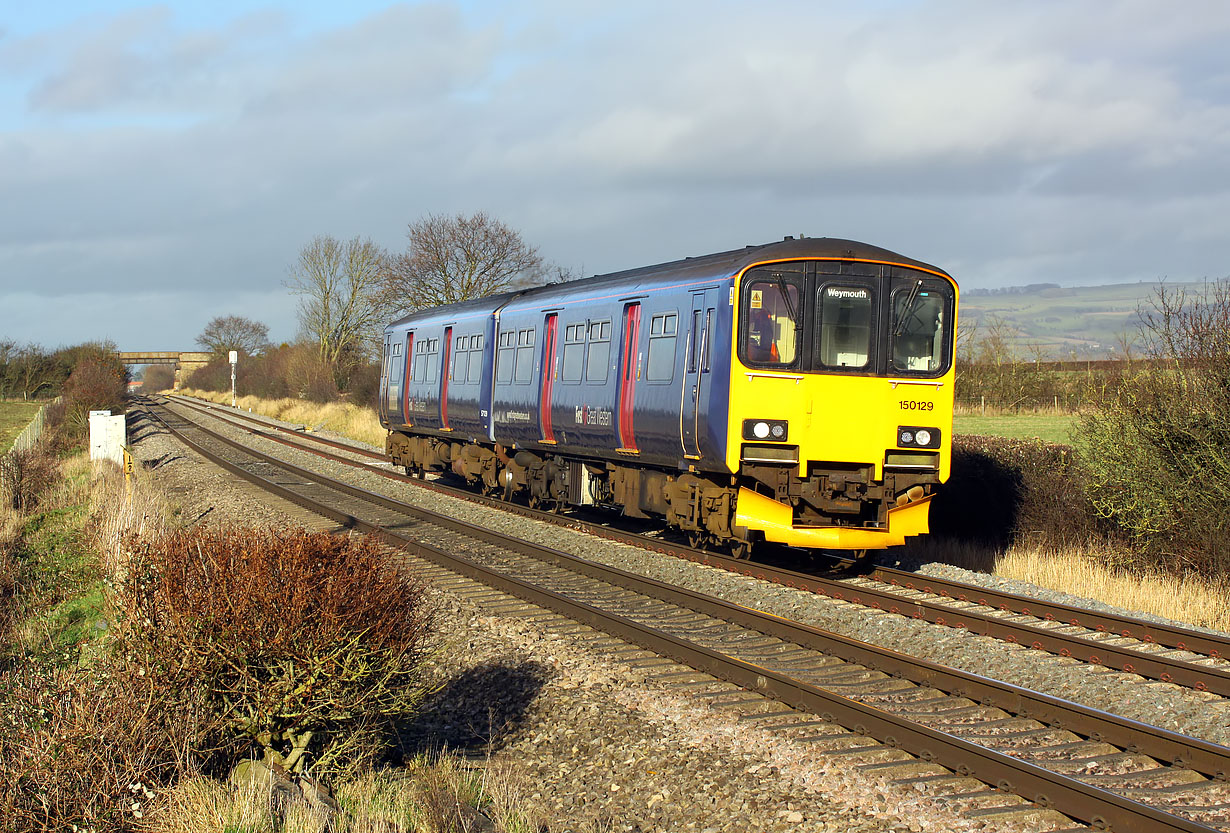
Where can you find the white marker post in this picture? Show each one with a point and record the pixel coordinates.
(234, 358)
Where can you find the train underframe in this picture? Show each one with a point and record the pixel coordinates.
(764, 501)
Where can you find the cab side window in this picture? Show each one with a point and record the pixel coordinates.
(770, 323)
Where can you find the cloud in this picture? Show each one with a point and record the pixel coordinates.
(1076, 139)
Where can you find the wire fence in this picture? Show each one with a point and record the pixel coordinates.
(994, 406)
(34, 430)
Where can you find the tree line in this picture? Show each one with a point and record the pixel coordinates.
(349, 289)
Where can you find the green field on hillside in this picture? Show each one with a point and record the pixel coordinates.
(15, 416)
(1067, 322)
(1053, 428)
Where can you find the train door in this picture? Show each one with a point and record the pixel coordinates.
(548, 378)
(407, 417)
(445, 366)
(629, 372)
(696, 371)
(386, 397)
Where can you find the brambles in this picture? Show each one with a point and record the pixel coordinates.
(303, 644)
(74, 741)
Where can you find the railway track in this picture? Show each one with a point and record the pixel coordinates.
(933, 724)
(1157, 651)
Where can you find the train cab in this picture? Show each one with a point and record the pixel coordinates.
(841, 398)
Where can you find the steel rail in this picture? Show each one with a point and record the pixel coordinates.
(1047, 788)
(1093, 651)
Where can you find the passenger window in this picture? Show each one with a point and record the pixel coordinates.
(476, 359)
(461, 360)
(845, 326)
(433, 350)
(525, 356)
(504, 358)
(573, 354)
(661, 364)
(598, 362)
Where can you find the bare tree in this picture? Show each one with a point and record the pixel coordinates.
(28, 370)
(452, 259)
(342, 307)
(234, 332)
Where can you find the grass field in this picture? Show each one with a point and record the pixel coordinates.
(15, 416)
(1053, 428)
(1085, 321)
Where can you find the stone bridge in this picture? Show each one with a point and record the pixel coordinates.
(185, 361)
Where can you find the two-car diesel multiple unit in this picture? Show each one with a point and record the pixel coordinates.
(798, 392)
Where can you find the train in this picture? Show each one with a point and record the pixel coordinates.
(798, 392)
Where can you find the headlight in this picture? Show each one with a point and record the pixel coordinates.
(912, 436)
(774, 430)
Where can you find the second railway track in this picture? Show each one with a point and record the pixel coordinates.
(1092, 766)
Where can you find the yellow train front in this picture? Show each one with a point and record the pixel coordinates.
(841, 395)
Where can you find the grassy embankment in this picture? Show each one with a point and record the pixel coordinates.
(14, 416)
(340, 417)
(1080, 573)
(63, 558)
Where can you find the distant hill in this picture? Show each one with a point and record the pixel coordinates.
(1066, 322)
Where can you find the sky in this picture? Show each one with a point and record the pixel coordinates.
(164, 164)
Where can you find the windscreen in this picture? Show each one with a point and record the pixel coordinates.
(845, 326)
(846, 317)
(920, 326)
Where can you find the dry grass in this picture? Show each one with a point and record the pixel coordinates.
(349, 420)
(136, 507)
(1183, 598)
(426, 796)
(1084, 573)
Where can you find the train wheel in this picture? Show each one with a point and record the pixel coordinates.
(697, 540)
(740, 549)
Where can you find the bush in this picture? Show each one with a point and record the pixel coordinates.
(302, 643)
(1006, 492)
(98, 382)
(26, 475)
(1159, 444)
(363, 386)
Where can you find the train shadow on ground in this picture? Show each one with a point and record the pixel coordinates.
(475, 711)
